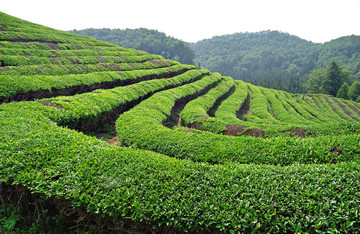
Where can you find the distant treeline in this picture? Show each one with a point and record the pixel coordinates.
(151, 41)
(269, 58)
(274, 59)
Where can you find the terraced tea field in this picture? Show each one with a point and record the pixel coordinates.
(196, 151)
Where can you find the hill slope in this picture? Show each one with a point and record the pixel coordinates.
(274, 59)
(151, 41)
(199, 152)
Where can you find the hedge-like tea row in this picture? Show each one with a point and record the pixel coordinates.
(64, 47)
(229, 107)
(197, 110)
(51, 69)
(87, 110)
(9, 60)
(348, 109)
(46, 52)
(285, 106)
(10, 86)
(153, 188)
(142, 128)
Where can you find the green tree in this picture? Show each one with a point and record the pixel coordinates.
(343, 91)
(327, 81)
(336, 76)
(354, 90)
(315, 83)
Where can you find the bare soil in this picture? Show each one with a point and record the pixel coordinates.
(297, 132)
(114, 141)
(236, 130)
(49, 103)
(336, 150)
(233, 130)
(101, 59)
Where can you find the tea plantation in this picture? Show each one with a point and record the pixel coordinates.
(194, 151)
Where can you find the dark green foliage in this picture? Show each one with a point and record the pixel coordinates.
(343, 91)
(274, 59)
(327, 81)
(354, 91)
(151, 41)
(335, 78)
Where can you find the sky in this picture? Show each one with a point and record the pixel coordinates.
(193, 20)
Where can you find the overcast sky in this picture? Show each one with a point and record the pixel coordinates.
(193, 20)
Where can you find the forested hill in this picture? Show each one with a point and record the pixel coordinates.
(151, 41)
(274, 59)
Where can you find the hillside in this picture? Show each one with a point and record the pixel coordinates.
(151, 41)
(102, 139)
(274, 59)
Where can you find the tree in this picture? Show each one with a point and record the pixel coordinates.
(336, 76)
(327, 81)
(354, 90)
(343, 91)
(315, 83)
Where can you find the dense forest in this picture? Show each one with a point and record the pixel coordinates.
(151, 41)
(274, 59)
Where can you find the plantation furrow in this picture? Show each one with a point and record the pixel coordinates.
(281, 111)
(142, 128)
(245, 108)
(345, 108)
(260, 108)
(82, 68)
(51, 53)
(353, 107)
(310, 107)
(25, 88)
(299, 109)
(268, 104)
(7, 60)
(326, 108)
(335, 108)
(235, 104)
(311, 101)
(43, 38)
(195, 112)
(89, 111)
(304, 113)
(174, 118)
(211, 112)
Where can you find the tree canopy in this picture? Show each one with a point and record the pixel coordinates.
(329, 80)
(275, 59)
